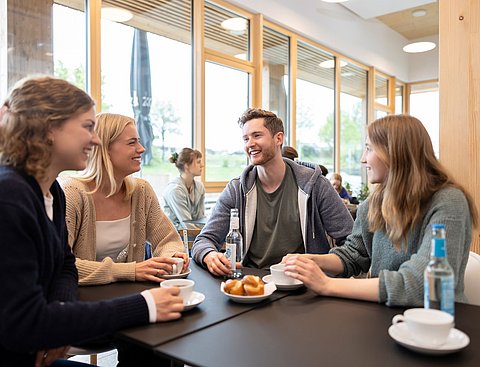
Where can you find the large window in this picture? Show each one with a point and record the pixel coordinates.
(186, 93)
(226, 97)
(353, 120)
(226, 32)
(228, 80)
(69, 44)
(399, 92)
(275, 78)
(381, 90)
(148, 76)
(424, 105)
(315, 106)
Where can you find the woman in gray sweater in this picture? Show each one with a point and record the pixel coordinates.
(184, 196)
(392, 233)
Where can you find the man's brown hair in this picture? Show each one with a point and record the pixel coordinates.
(270, 120)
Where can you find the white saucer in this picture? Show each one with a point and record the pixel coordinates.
(283, 287)
(456, 340)
(177, 276)
(269, 288)
(195, 299)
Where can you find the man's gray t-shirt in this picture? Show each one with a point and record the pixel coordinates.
(277, 226)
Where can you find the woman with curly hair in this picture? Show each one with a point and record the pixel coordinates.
(47, 126)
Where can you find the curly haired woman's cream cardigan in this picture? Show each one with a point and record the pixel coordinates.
(147, 223)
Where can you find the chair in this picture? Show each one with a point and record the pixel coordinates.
(192, 233)
(93, 353)
(472, 279)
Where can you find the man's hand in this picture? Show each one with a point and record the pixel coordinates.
(217, 263)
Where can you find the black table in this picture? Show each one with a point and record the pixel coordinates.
(219, 307)
(289, 329)
(308, 330)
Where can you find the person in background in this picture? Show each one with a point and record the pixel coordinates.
(184, 196)
(284, 207)
(46, 127)
(291, 153)
(111, 215)
(391, 237)
(336, 181)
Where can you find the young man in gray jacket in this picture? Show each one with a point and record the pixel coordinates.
(283, 206)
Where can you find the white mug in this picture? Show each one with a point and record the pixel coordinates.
(427, 327)
(279, 276)
(177, 268)
(185, 285)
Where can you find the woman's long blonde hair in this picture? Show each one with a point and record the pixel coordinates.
(99, 169)
(414, 175)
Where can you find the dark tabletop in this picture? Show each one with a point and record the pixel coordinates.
(289, 329)
(219, 307)
(308, 330)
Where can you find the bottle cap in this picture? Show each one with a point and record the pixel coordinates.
(437, 226)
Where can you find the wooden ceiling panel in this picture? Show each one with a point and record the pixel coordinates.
(412, 27)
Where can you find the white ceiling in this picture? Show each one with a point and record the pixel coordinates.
(368, 9)
(368, 41)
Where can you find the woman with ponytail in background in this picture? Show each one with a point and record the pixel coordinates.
(184, 196)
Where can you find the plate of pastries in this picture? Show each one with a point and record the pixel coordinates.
(250, 289)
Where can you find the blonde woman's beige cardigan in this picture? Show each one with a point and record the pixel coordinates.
(147, 223)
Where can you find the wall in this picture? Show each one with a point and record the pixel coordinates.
(424, 66)
(460, 95)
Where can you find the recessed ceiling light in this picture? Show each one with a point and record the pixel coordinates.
(417, 47)
(419, 13)
(334, 1)
(242, 56)
(235, 26)
(330, 64)
(116, 14)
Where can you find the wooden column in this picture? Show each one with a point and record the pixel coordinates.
(30, 38)
(459, 78)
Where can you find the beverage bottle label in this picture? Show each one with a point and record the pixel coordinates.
(231, 254)
(448, 295)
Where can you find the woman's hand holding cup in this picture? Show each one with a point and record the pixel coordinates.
(154, 268)
(186, 260)
(168, 302)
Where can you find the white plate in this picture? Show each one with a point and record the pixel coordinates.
(177, 276)
(283, 287)
(456, 340)
(195, 299)
(268, 290)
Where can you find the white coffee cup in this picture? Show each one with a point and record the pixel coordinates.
(185, 285)
(427, 327)
(177, 268)
(279, 276)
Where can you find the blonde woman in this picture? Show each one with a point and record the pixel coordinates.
(111, 215)
(46, 127)
(336, 181)
(184, 196)
(392, 233)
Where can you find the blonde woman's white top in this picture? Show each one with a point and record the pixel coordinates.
(112, 237)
